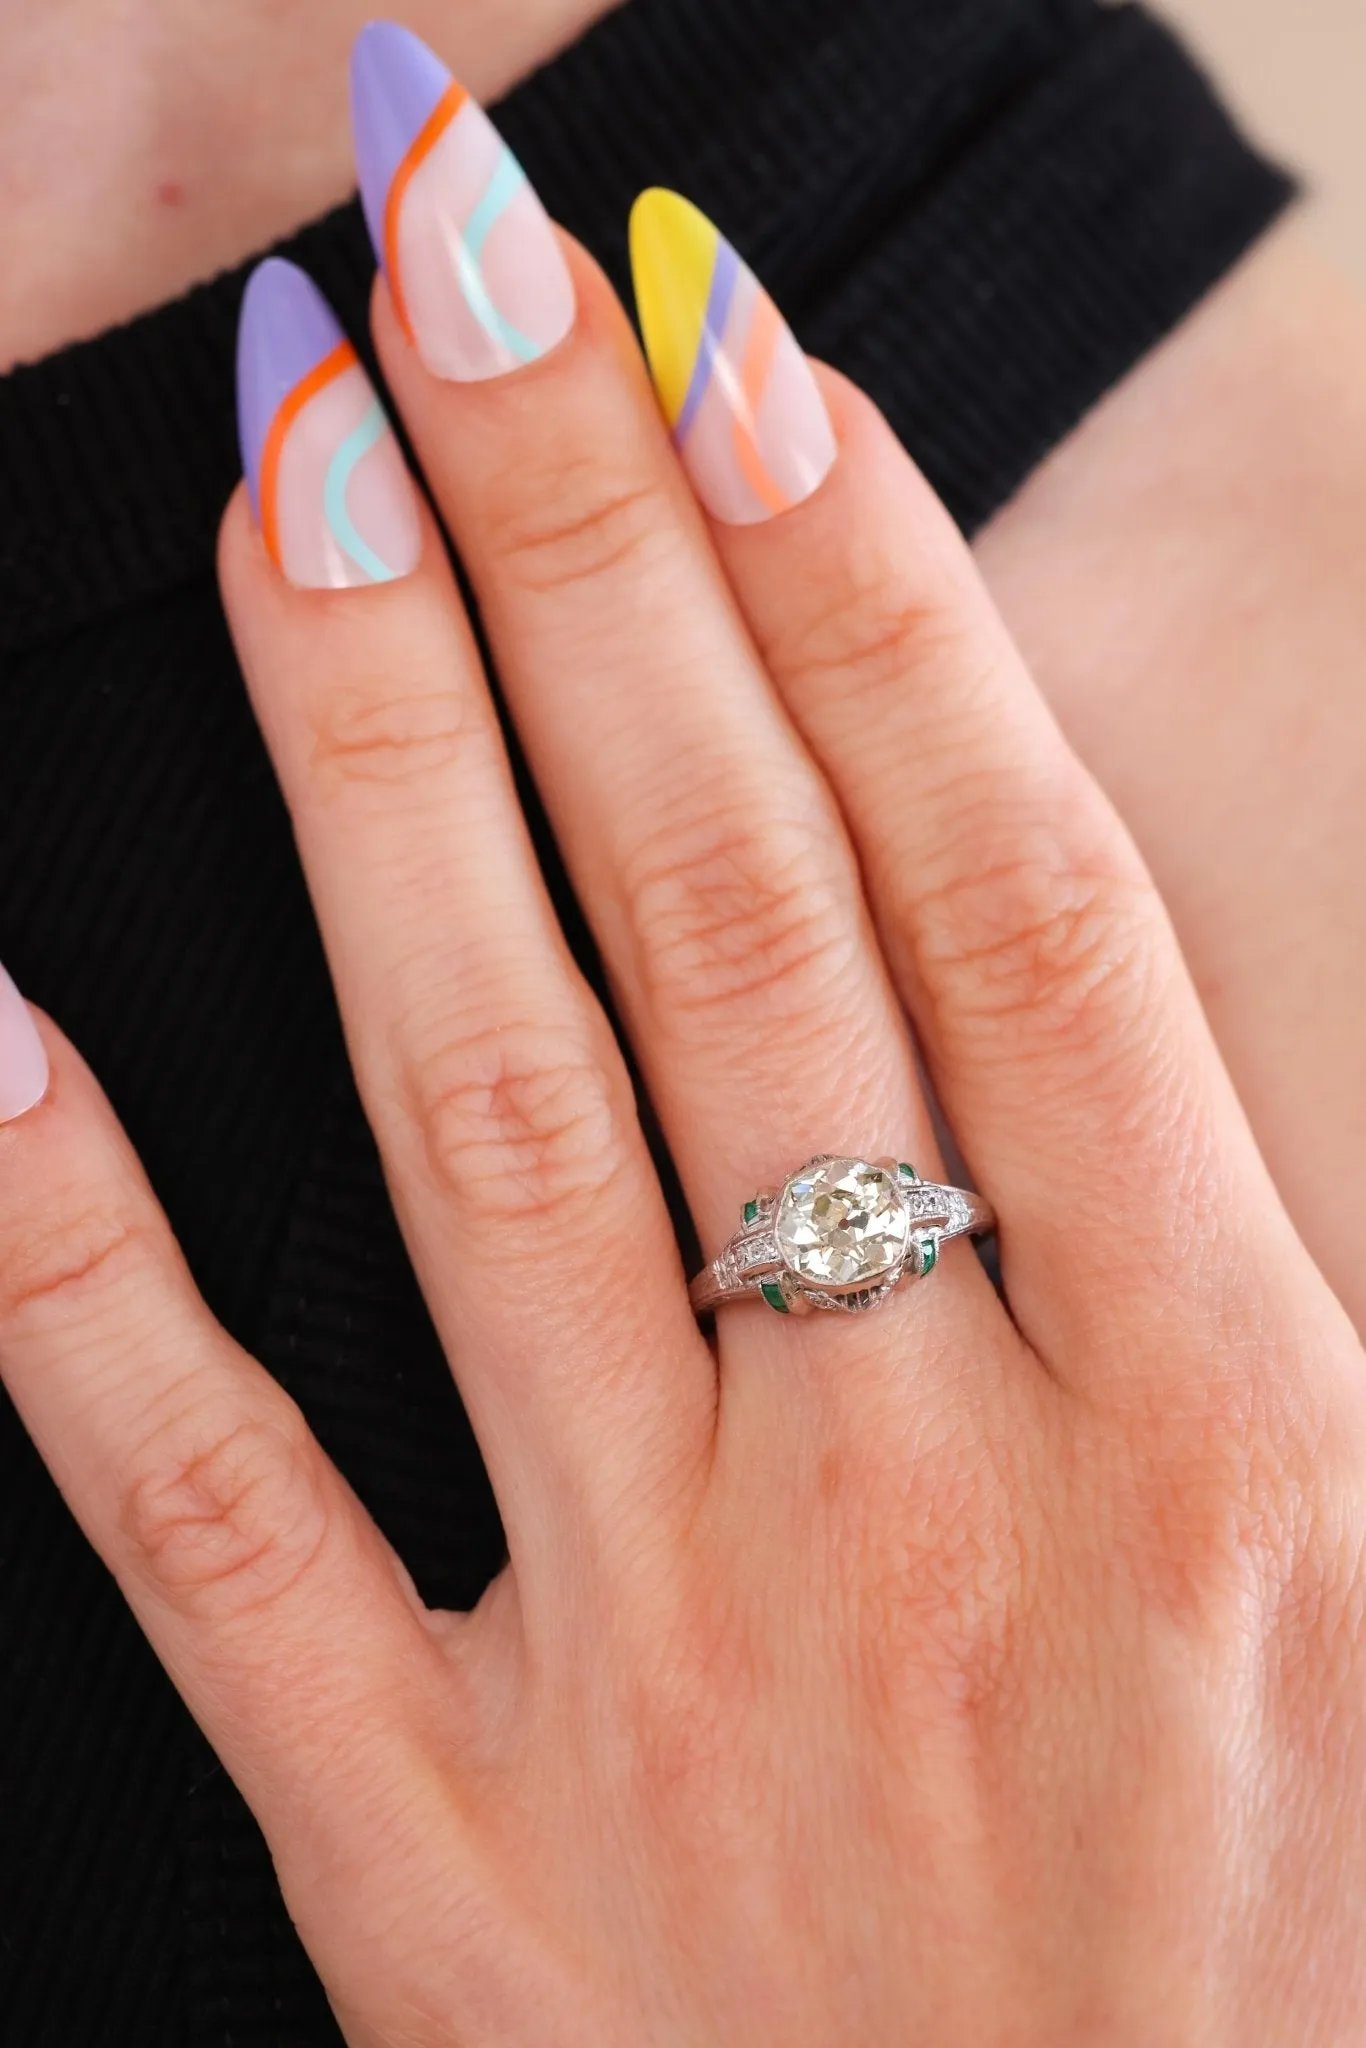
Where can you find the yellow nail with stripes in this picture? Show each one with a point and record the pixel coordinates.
(746, 414)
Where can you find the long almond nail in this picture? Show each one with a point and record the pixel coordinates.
(23, 1061)
(475, 272)
(334, 500)
(747, 416)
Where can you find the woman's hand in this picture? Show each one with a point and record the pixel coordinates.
(960, 1673)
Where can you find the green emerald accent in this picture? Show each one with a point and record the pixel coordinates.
(774, 1296)
(907, 1172)
(752, 1211)
(929, 1257)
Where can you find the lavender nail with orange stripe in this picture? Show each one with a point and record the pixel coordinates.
(747, 416)
(335, 503)
(474, 270)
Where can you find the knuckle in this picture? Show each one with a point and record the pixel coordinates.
(1230, 1485)
(724, 916)
(869, 636)
(933, 1577)
(518, 1122)
(225, 1515)
(573, 526)
(363, 734)
(1044, 939)
(60, 1262)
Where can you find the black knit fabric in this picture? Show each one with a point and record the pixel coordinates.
(985, 211)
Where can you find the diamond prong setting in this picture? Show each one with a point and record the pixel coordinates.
(843, 1233)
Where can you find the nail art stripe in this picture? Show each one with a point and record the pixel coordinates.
(504, 184)
(342, 358)
(725, 277)
(738, 394)
(369, 431)
(731, 281)
(335, 504)
(421, 147)
(357, 445)
(761, 350)
(736, 330)
(503, 187)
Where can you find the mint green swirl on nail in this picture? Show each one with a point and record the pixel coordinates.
(357, 444)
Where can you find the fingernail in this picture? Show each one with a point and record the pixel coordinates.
(474, 269)
(330, 489)
(23, 1061)
(746, 413)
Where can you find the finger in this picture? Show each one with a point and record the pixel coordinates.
(250, 1564)
(704, 845)
(499, 1099)
(1063, 1034)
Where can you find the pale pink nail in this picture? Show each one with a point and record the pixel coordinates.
(336, 505)
(23, 1061)
(474, 270)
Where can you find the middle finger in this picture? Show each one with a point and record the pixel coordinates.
(705, 845)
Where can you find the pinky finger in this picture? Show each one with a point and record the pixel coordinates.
(252, 1567)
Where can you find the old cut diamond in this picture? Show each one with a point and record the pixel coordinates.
(842, 1223)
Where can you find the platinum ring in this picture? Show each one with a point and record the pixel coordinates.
(840, 1233)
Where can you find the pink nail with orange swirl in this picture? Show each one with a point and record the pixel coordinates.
(335, 503)
(474, 270)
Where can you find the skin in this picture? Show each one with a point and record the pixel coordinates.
(1181, 573)
(953, 1674)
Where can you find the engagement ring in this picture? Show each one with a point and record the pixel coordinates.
(839, 1234)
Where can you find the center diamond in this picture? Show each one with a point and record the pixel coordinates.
(842, 1223)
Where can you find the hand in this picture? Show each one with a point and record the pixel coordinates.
(962, 1673)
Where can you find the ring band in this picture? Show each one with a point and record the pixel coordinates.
(841, 1233)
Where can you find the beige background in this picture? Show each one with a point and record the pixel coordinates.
(1297, 71)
